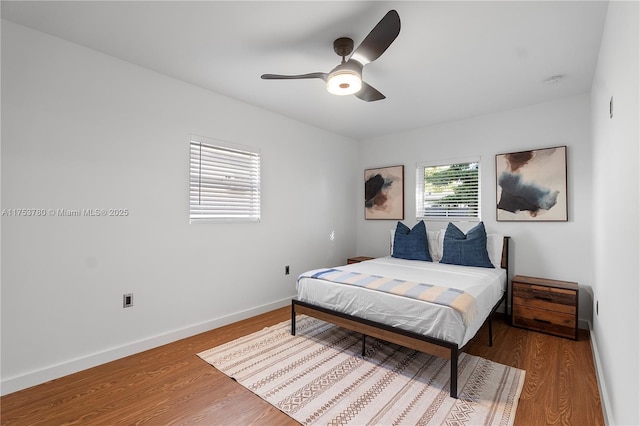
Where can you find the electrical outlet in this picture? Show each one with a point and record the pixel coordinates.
(286, 270)
(127, 300)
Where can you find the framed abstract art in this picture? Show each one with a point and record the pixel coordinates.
(532, 185)
(384, 193)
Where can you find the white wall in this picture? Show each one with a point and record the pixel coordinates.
(616, 327)
(557, 250)
(84, 130)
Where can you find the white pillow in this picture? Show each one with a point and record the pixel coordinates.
(436, 244)
(393, 234)
(494, 248)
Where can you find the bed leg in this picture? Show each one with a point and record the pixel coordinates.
(293, 319)
(490, 331)
(454, 374)
(364, 341)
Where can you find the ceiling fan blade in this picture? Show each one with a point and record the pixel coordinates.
(369, 94)
(379, 39)
(320, 75)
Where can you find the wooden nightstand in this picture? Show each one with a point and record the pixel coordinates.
(358, 259)
(549, 306)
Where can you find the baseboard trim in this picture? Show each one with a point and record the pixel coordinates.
(43, 375)
(604, 396)
(584, 325)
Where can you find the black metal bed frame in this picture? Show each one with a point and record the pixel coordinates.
(396, 335)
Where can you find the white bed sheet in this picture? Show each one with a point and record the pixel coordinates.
(487, 285)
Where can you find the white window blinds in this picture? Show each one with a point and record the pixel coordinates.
(224, 183)
(448, 191)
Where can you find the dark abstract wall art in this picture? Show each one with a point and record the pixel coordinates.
(384, 193)
(532, 185)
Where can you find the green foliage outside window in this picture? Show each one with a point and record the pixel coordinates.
(451, 191)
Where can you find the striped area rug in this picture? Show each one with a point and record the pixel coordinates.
(320, 377)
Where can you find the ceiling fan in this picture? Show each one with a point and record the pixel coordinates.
(346, 78)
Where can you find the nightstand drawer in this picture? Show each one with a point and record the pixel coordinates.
(545, 321)
(554, 299)
(545, 305)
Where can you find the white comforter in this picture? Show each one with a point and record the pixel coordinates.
(487, 285)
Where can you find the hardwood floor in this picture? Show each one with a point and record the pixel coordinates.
(171, 385)
(560, 386)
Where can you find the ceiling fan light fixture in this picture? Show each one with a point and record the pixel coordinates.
(344, 82)
(346, 78)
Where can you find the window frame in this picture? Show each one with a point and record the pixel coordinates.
(420, 207)
(244, 164)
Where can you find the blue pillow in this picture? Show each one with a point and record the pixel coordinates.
(411, 244)
(466, 250)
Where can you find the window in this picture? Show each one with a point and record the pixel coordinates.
(224, 182)
(448, 190)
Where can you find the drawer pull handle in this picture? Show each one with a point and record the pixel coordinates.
(541, 295)
(542, 321)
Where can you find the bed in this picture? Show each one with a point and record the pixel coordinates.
(432, 306)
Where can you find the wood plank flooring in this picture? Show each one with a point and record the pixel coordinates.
(560, 385)
(171, 385)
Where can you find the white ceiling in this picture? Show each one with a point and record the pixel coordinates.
(452, 59)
